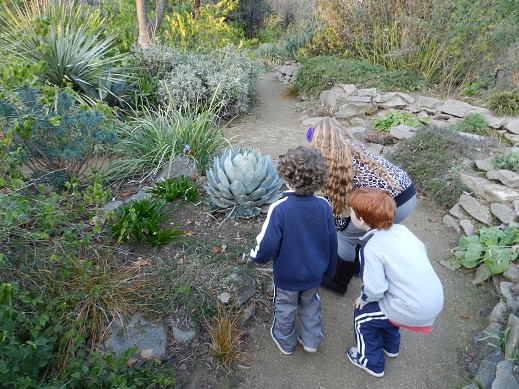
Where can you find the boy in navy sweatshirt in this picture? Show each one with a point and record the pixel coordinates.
(399, 285)
(299, 235)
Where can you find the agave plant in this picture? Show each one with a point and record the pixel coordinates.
(241, 181)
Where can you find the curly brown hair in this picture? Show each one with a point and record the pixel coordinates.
(303, 169)
(328, 137)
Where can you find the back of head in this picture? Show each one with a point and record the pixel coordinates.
(373, 205)
(327, 135)
(303, 169)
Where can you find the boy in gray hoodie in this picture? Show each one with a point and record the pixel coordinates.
(399, 285)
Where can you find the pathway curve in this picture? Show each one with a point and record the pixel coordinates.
(424, 361)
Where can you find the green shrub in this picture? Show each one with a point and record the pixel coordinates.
(272, 54)
(209, 30)
(323, 72)
(226, 77)
(433, 158)
(183, 188)
(60, 140)
(152, 140)
(394, 118)
(143, 221)
(509, 160)
(473, 123)
(503, 103)
(429, 38)
(490, 250)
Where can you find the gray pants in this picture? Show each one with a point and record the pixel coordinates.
(350, 236)
(308, 305)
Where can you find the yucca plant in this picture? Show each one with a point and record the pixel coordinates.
(241, 181)
(68, 39)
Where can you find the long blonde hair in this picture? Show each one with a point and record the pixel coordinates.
(338, 154)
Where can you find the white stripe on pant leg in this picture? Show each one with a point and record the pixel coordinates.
(359, 320)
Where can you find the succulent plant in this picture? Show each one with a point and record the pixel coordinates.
(243, 180)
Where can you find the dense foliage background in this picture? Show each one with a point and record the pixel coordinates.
(83, 106)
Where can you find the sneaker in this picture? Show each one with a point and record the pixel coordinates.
(353, 356)
(279, 346)
(306, 348)
(391, 355)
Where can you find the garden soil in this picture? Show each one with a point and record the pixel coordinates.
(425, 361)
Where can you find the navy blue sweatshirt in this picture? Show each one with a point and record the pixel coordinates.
(299, 235)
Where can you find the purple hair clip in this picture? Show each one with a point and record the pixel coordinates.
(310, 134)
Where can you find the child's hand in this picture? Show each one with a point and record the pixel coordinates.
(357, 304)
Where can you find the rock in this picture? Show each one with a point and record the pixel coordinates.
(224, 297)
(328, 98)
(512, 126)
(457, 211)
(241, 286)
(512, 273)
(349, 89)
(488, 341)
(487, 369)
(112, 206)
(403, 132)
(371, 92)
(452, 222)
(512, 337)
(493, 193)
(505, 377)
(484, 164)
(140, 333)
(394, 100)
(506, 177)
(455, 108)
(427, 104)
(511, 300)
(512, 138)
(142, 194)
(246, 314)
(374, 148)
(180, 166)
(503, 212)
(468, 227)
(183, 335)
(498, 313)
(475, 209)
(352, 109)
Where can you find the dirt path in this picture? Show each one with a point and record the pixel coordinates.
(425, 361)
(273, 125)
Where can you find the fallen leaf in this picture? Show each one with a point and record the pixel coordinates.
(141, 262)
(146, 354)
(464, 316)
(193, 310)
(189, 233)
(131, 362)
(217, 249)
(432, 220)
(212, 291)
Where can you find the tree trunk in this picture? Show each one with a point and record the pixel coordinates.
(196, 9)
(147, 28)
